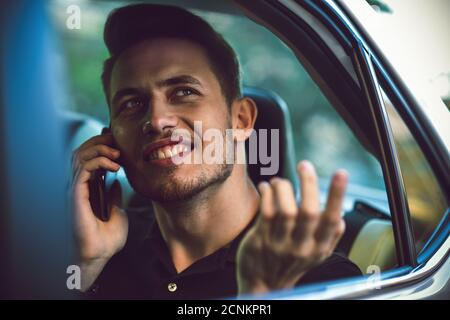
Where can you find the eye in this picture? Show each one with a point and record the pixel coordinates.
(132, 105)
(184, 92)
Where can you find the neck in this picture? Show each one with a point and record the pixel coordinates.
(200, 226)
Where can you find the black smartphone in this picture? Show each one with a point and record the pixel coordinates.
(99, 186)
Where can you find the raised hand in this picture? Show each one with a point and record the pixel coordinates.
(288, 240)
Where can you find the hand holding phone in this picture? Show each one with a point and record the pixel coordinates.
(99, 186)
(100, 225)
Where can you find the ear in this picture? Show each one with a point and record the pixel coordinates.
(244, 113)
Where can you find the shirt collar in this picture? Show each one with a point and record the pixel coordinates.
(226, 254)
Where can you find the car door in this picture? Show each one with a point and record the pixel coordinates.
(351, 56)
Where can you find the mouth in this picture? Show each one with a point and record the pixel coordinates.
(162, 152)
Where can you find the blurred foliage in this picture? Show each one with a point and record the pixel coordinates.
(320, 134)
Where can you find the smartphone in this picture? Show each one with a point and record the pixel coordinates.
(99, 186)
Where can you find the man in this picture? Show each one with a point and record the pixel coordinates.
(210, 233)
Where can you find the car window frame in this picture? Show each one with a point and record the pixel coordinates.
(424, 134)
(349, 41)
(377, 72)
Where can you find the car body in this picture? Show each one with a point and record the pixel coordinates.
(342, 55)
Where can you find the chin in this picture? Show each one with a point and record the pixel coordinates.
(181, 185)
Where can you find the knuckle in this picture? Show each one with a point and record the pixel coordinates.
(322, 250)
(104, 149)
(308, 214)
(288, 213)
(302, 254)
(267, 213)
(282, 183)
(275, 181)
(332, 220)
(104, 161)
(278, 249)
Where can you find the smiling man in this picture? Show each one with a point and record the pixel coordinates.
(209, 233)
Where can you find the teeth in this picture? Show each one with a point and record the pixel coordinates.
(168, 152)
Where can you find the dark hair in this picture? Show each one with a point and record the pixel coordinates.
(127, 26)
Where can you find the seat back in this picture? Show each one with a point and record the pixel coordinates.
(369, 238)
(273, 113)
(374, 246)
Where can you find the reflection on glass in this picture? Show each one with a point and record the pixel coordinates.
(425, 199)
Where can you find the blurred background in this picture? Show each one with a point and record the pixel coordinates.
(320, 134)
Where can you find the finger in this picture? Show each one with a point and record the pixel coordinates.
(326, 231)
(285, 209)
(337, 192)
(337, 236)
(331, 218)
(309, 212)
(310, 201)
(97, 151)
(90, 166)
(106, 138)
(266, 208)
(305, 227)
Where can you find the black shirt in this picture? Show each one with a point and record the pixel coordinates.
(143, 269)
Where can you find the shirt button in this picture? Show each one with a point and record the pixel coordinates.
(172, 287)
(94, 288)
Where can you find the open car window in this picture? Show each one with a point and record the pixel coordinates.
(426, 200)
(318, 132)
(266, 62)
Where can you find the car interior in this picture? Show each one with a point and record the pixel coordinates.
(369, 238)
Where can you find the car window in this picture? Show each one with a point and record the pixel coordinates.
(319, 132)
(426, 200)
(411, 31)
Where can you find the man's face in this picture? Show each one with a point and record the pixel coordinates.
(156, 87)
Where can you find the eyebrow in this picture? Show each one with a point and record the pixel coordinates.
(182, 79)
(173, 81)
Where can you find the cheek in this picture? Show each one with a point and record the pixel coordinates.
(117, 131)
(124, 140)
(119, 135)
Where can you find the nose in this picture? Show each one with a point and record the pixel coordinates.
(159, 119)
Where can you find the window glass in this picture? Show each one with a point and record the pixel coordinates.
(426, 201)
